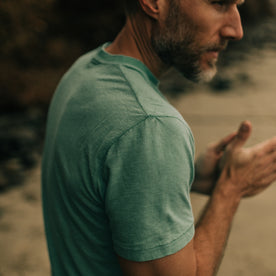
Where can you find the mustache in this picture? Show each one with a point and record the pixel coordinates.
(216, 47)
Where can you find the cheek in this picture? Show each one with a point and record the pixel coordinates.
(203, 23)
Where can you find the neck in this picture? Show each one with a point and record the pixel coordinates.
(134, 40)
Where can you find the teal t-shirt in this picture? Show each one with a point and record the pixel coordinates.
(117, 168)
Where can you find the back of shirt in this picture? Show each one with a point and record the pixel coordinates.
(117, 169)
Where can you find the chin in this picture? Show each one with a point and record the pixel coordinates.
(197, 72)
(200, 76)
(206, 76)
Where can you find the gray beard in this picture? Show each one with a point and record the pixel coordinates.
(173, 51)
(180, 53)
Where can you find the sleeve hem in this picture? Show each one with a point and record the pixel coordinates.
(158, 252)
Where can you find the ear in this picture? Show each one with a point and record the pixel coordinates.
(151, 7)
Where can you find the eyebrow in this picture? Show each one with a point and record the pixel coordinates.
(240, 2)
(237, 2)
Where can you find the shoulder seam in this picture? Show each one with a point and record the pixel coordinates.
(124, 133)
(157, 117)
(117, 139)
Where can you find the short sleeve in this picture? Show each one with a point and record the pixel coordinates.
(150, 169)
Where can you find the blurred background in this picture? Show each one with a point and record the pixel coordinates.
(39, 40)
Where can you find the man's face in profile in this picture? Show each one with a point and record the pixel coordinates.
(193, 32)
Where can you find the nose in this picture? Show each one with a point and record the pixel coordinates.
(232, 29)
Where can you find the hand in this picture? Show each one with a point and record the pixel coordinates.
(249, 170)
(206, 166)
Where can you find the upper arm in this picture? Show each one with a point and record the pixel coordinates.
(182, 263)
(147, 200)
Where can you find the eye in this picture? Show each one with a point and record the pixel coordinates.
(219, 3)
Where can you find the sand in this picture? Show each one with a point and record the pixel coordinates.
(251, 247)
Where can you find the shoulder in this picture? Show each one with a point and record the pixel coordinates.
(156, 134)
(151, 162)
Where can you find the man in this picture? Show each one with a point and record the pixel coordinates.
(118, 161)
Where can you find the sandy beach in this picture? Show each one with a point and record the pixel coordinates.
(251, 248)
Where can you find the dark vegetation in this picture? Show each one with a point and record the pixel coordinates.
(39, 40)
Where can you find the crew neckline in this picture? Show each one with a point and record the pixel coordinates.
(106, 57)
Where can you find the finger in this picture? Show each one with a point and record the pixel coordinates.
(267, 159)
(267, 170)
(264, 165)
(270, 158)
(266, 146)
(262, 185)
(222, 144)
(243, 134)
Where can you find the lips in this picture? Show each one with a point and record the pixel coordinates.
(218, 48)
(214, 54)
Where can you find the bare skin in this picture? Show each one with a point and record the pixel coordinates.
(130, 42)
(211, 25)
(227, 171)
(245, 172)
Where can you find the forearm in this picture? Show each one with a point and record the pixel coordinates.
(244, 172)
(213, 228)
(204, 187)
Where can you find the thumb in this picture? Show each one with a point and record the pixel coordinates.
(243, 134)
